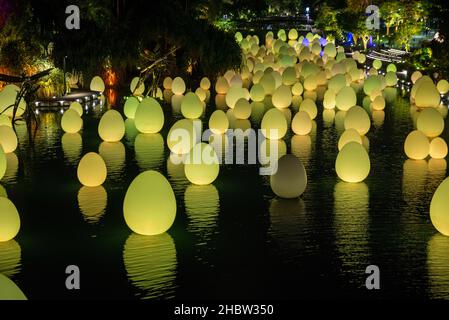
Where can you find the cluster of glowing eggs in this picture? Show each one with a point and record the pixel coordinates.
(71, 121)
(282, 97)
(8, 139)
(149, 207)
(9, 220)
(379, 103)
(191, 106)
(439, 208)
(182, 136)
(97, 84)
(111, 127)
(235, 93)
(178, 86)
(167, 83)
(274, 124)
(149, 117)
(345, 99)
(218, 122)
(349, 135)
(242, 109)
(92, 170)
(9, 291)
(443, 86)
(130, 107)
(353, 163)
(202, 165)
(301, 123)
(416, 145)
(77, 107)
(309, 106)
(430, 122)
(222, 85)
(290, 179)
(427, 95)
(357, 118)
(3, 162)
(438, 148)
(137, 87)
(257, 93)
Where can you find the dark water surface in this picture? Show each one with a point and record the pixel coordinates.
(231, 239)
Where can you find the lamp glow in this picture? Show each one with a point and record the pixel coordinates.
(111, 127)
(222, 85)
(178, 86)
(182, 136)
(8, 139)
(257, 93)
(71, 121)
(242, 109)
(350, 135)
(191, 106)
(430, 122)
(357, 118)
(202, 165)
(77, 107)
(379, 103)
(97, 84)
(345, 99)
(9, 290)
(427, 95)
(443, 86)
(218, 122)
(353, 163)
(149, 117)
(274, 124)
(309, 106)
(92, 170)
(282, 97)
(130, 107)
(137, 91)
(9, 220)
(416, 145)
(301, 123)
(438, 148)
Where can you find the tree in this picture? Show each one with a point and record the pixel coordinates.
(390, 12)
(327, 21)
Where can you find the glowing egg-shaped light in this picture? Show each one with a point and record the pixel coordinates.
(9, 290)
(310, 83)
(202, 165)
(3, 162)
(443, 86)
(301, 123)
(350, 135)
(111, 127)
(178, 86)
(416, 145)
(201, 93)
(5, 120)
(97, 84)
(149, 207)
(257, 93)
(205, 83)
(371, 84)
(353, 163)
(182, 136)
(309, 106)
(330, 50)
(218, 122)
(377, 64)
(430, 122)
(9, 220)
(242, 109)
(379, 103)
(77, 107)
(149, 117)
(130, 107)
(136, 88)
(8, 139)
(391, 79)
(222, 85)
(274, 124)
(346, 98)
(439, 208)
(427, 95)
(167, 83)
(392, 68)
(234, 94)
(289, 76)
(282, 97)
(268, 83)
(293, 34)
(415, 76)
(297, 89)
(71, 121)
(92, 170)
(357, 118)
(191, 106)
(438, 148)
(290, 179)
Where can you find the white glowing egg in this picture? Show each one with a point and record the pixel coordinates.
(357, 118)
(290, 179)
(202, 165)
(77, 107)
(353, 163)
(438, 148)
(427, 95)
(201, 93)
(311, 82)
(377, 64)
(439, 208)
(297, 89)
(301, 123)
(136, 88)
(430, 122)
(149, 117)
(178, 86)
(9, 220)
(92, 170)
(8, 139)
(111, 127)
(182, 136)
(149, 207)
(191, 106)
(415, 76)
(130, 107)
(205, 83)
(309, 106)
(350, 135)
(391, 79)
(345, 99)
(274, 124)
(222, 85)
(282, 97)
(97, 84)
(416, 145)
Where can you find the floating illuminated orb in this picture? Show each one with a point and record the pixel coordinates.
(92, 170)
(130, 107)
(350, 135)
(178, 86)
(242, 109)
(5, 120)
(71, 121)
(77, 107)
(222, 85)
(191, 106)
(416, 76)
(97, 84)
(274, 124)
(205, 83)
(379, 103)
(430, 122)
(149, 117)
(417, 145)
(297, 89)
(345, 99)
(136, 88)
(257, 93)
(202, 165)
(357, 118)
(290, 179)
(438, 148)
(235, 93)
(443, 86)
(218, 122)
(111, 127)
(377, 64)
(282, 97)
(301, 123)
(391, 79)
(149, 207)
(3, 162)
(9, 290)
(353, 163)
(182, 136)
(439, 208)
(371, 84)
(167, 83)
(8, 139)
(427, 95)
(201, 93)
(309, 106)
(9, 220)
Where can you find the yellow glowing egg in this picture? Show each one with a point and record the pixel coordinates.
(9, 290)
(357, 118)
(415, 76)
(8, 139)
(205, 83)
(178, 86)
(201, 93)
(297, 89)
(438, 148)
(167, 83)
(97, 84)
(293, 34)
(416, 145)
(3, 162)
(377, 64)
(137, 91)
(443, 86)
(274, 124)
(350, 135)
(202, 165)
(301, 123)
(439, 208)
(149, 207)
(336, 83)
(149, 117)
(379, 103)
(345, 99)
(234, 93)
(427, 95)
(222, 85)
(71, 121)
(430, 122)
(257, 93)
(218, 122)
(268, 83)
(5, 120)
(130, 107)
(242, 109)
(330, 50)
(191, 106)
(289, 76)
(182, 136)
(92, 170)
(77, 107)
(371, 84)
(391, 79)
(111, 127)
(290, 179)
(392, 68)
(353, 163)
(310, 83)
(9, 220)
(282, 97)
(309, 106)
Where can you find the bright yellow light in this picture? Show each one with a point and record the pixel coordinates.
(268, 83)
(8, 139)
(257, 93)
(391, 79)
(139, 90)
(71, 121)
(3, 162)
(9, 220)
(97, 84)
(357, 118)
(379, 103)
(274, 124)
(443, 86)
(202, 165)
(92, 170)
(311, 82)
(149, 207)
(346, 98)
(416, 76)
(9, 290)
(218, 122)
(439, 208)
(182, 136)
(377, 64)
(438, 148)
(149, 148)
(191, 106)
(282, 97)
(130, 107)
(427, 95)
(222, 85)
(167, 83)
(111, 127)
(149, 117)
(416, 145)
(290, 180)
(353, 163)
(205, 83)
(201, 93)
(92, 202)
(235, 93)
(77, 107)
(309, 106)
(430, 122)
(301, 123)
(350, 135)
(242, 109)
(178, 86)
